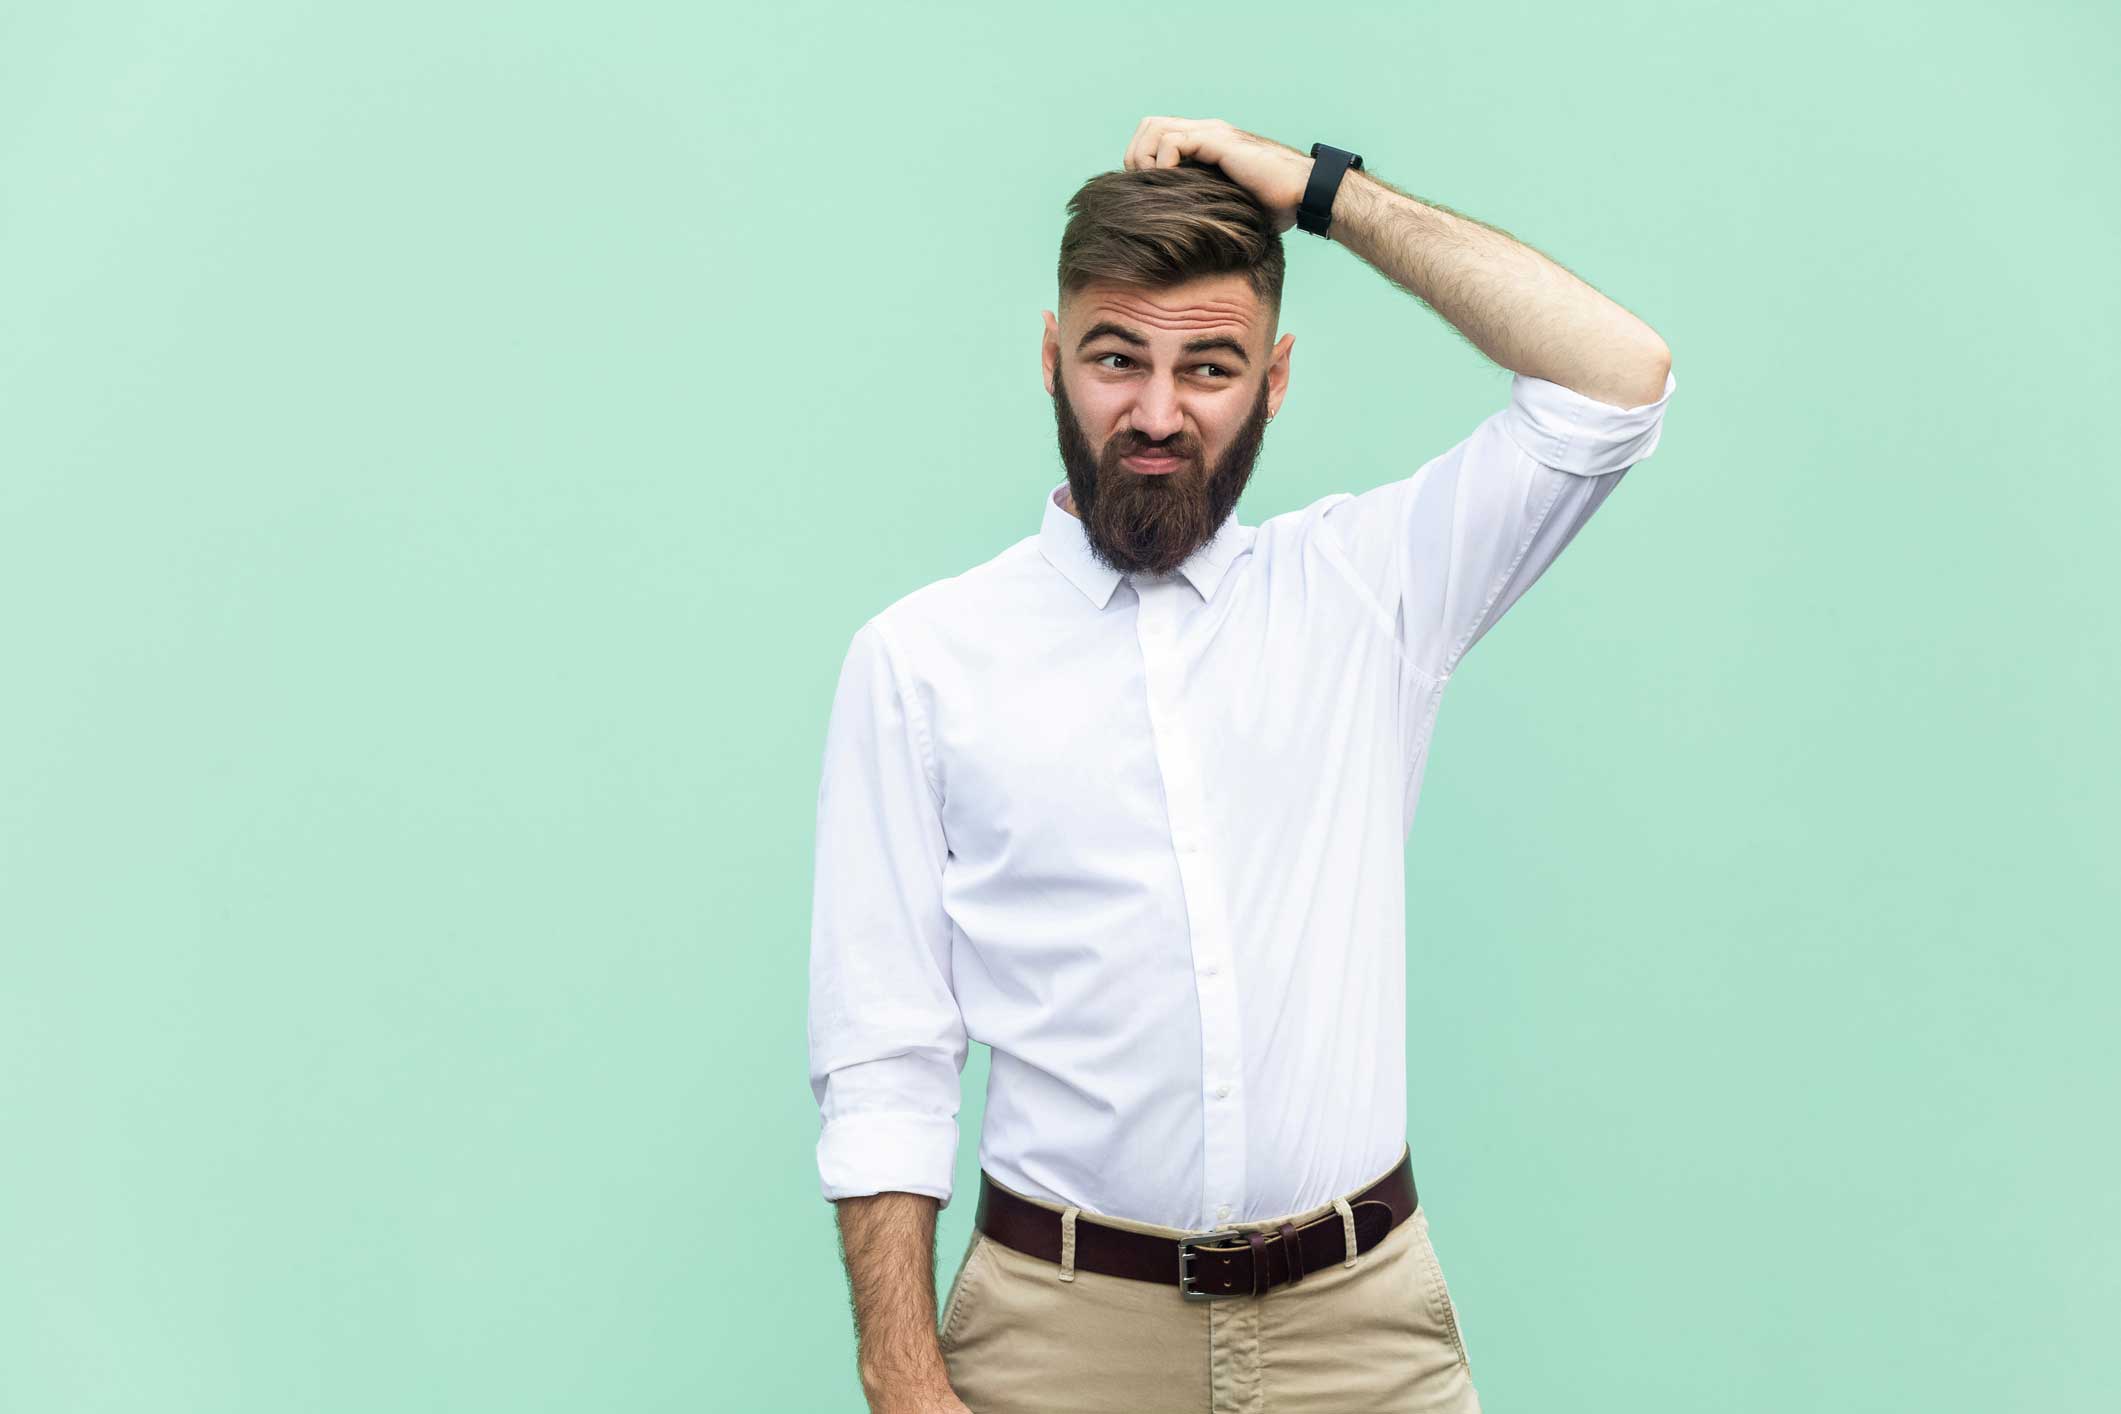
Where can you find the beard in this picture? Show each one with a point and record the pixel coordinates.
(1151, 523)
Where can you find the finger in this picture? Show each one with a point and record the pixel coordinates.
(1141, 152)
(1131, 157)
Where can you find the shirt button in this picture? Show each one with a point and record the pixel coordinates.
(1223, 1211)
(1222, 1092)
(1208, 971)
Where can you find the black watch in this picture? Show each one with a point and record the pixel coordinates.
(1330, 164)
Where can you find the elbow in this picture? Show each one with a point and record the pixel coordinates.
(1654, 374)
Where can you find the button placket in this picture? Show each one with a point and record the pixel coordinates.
(1223, 1123)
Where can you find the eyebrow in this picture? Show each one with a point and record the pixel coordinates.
(1106, 329)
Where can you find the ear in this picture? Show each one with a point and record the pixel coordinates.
(1049, 350)
(1278, 373)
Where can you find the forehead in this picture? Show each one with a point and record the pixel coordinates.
(1223, 304)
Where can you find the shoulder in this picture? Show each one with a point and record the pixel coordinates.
(945, 614)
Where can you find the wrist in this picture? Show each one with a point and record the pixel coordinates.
(888, 1387)
(1350, 205)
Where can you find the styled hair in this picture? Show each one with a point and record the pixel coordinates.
(1163, 226)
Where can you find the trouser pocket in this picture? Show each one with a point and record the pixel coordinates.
(1441, 1307)
(956, 1303)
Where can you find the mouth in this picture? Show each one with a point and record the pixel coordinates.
(1154, 465)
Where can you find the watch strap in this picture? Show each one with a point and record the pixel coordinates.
(1329, 164)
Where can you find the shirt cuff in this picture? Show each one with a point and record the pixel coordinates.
(890, 1152)
(1561, 428)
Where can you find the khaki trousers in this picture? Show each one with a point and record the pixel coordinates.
(1024, 1336)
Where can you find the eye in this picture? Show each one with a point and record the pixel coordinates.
(1220, 371)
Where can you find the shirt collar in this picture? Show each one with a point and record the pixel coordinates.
(1062, 539)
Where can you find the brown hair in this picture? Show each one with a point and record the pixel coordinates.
(1166, 225)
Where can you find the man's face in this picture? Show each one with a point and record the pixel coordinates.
(1124, 381)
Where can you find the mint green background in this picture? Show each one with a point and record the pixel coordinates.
(443, 458)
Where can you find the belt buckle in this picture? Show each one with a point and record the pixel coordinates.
(1186, 1245)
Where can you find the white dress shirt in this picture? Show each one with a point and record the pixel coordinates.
(1145, 836)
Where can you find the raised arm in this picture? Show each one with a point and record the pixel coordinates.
(1515, 305)
(1518, 307)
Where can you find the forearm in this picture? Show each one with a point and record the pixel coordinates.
(1518, 307)
(888, 1242)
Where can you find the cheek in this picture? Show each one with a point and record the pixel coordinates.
(1099, 407)
(1100, 420)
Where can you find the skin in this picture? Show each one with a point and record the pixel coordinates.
(1113, 397)
(888, 1241)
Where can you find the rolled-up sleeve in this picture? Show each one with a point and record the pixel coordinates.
(1457, 543)
(1559, 427)
(887, 1042)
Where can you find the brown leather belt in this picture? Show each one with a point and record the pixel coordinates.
(1204, 1266)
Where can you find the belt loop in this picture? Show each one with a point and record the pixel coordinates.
(1067, 1266)
(1347, 1223)
(1292, 1247)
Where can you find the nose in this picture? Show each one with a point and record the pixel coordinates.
(1155, 420)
